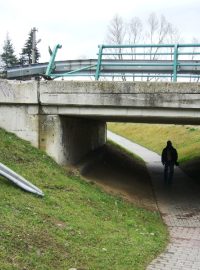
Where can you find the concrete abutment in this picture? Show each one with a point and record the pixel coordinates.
(69, 139)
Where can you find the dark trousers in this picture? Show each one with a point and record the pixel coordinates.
(168, 172)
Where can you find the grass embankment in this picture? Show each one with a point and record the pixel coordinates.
(75, 225)
(186, 139)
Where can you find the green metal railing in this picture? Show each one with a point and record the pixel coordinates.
(148, 60)
(153, 52)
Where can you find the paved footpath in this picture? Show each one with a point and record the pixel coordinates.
(179, 206)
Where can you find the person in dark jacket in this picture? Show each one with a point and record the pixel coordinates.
(169, 159)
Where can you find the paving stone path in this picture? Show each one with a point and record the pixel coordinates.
(179, 206)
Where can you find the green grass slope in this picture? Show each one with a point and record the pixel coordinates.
(75, 225)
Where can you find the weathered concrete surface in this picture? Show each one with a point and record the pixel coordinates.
(17, 92)
(149, 102)
(67, 118)
(129, 94)
(21, 120)
(69, 139)
(19, 109)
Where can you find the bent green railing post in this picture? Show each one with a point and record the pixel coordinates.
(52, 59)
(175, 63)
(98, 69)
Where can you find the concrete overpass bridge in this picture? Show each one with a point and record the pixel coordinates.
(68, 119)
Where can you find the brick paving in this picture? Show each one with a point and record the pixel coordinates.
(179, 206)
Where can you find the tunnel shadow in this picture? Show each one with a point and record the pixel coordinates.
(192, 169)
(118, 173)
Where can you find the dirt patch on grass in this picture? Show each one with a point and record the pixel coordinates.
(119, 174)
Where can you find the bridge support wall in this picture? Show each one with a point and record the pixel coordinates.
(67, 139)
(21, 120)
(19, 109)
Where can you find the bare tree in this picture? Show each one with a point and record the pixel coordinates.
(134, 34)
(116, 36)
(163, 30)
(194, 51)
(157, 33)
(135, 29)
(116, 31)
(152, 24)
(157, 30)
(173, 35)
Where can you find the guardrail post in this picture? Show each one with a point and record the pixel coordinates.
(98, 69)
(175, 63)
(52, 59)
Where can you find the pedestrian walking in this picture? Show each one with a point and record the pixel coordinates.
(169, 159)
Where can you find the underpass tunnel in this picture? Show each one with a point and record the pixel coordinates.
(83, 141)
(120, 173)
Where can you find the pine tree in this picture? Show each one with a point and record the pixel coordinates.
(8, 56)
(26, 54)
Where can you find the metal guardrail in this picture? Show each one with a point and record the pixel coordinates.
(168, 58)
(137, 61)
(19, 180)
(60, 67)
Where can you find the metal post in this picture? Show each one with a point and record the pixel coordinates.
(175, 63)
(52, 59)
(33, 45)
(98, 69)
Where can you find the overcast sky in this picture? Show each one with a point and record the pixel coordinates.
(81, 25)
